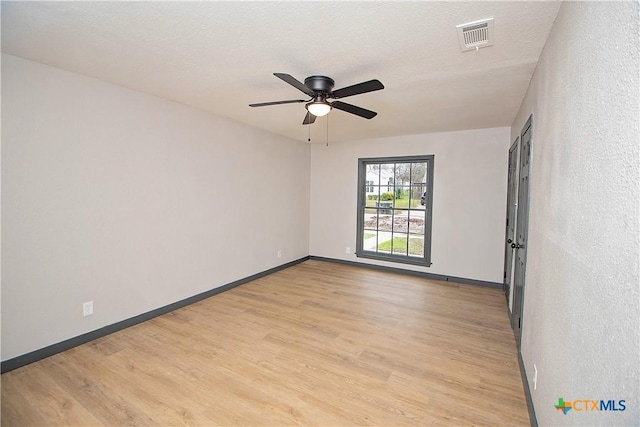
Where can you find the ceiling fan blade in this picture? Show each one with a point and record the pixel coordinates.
(295, 83)
(358, 111)
(309, 119)
(264, 104)
(363, 87)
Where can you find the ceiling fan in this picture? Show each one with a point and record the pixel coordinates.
(320, 89)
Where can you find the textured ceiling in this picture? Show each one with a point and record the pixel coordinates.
(220, 56)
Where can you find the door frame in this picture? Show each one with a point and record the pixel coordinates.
(511, 218)
(522, 229)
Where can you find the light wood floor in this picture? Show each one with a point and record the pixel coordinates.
(316, 344)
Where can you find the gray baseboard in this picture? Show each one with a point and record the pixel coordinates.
(525, 382)
(45, 352)
(527, 392)
(423, 274)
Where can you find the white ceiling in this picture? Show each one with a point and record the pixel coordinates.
(220, 56)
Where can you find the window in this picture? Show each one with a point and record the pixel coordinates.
(394, 209)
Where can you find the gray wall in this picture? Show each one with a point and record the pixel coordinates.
(581, 324)
(131, 201)
(136, 202)
(469, 198)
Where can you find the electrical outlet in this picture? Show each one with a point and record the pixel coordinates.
(87, 308)
(535, 376)
(279, 253)
(347, 250)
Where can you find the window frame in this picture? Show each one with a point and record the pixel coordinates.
(425, 260)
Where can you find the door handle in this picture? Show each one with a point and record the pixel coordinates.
(517, 246)
(509, 241)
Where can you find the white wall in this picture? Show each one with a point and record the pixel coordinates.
(131, 201)
(469, 199)
(581, 323)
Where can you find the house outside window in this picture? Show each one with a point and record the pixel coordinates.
(370, 187)
(394, 209)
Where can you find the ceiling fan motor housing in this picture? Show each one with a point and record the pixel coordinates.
(319, 84)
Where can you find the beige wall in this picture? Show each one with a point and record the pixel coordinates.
(131, 201)
(469, 199)
(581, 324)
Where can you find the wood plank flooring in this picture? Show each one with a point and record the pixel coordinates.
(316, 344)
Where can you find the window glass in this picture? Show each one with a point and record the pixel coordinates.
(394, 209)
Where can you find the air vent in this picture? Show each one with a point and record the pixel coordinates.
(475, 35)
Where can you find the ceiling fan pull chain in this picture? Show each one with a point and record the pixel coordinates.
(309, 126)
(327, 131)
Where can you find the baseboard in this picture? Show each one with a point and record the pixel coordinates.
(527, 392)
(523, 374)
(423, 274)
(48, 351)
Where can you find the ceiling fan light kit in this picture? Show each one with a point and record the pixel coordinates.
(318, 108)
(320, 89)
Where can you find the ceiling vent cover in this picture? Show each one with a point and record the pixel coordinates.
(475, 35)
